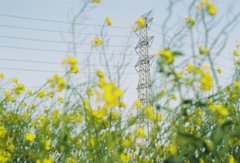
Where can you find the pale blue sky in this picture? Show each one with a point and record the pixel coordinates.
(122, 12)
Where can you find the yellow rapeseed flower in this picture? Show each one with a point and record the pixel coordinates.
(124, 157)
(57, 81)
(206, 81)
(238, 62)
(201, 160)
(219, 70)
(219, 109)
(15, 80)
(158, 117)
(111, 94)
(3, 132)
(179, 75)
(2, 76)
(198, 6)
(96, 41)
(174, 97)
(5, 156)
(72, 62)
(122, 104)
(236, 53)
(50, 94)
(41, 94)
(47, 145)
(108, 21)
(167, 55)
(138, 104)
(86, 103)
(48, 160)
(7, 95)
(92, 143)
(236, 85)
(56, 116)
(190, 22)
(209, 144)
(98, 114)
(18, 89)
(95, 1)
(231, 159)
(202, 4)
(126, 143)
(211, 8)
(140, 23)
(100, 74)
(203, 50)
(171, 149)
(114, 115)
(29, 92)
(30, 137)
(149, 113)
(10, 146)
(140, 132)
(60, 99)
(71, 160)
(190, 68)
(26, 115)
(89, 92)
(13, 99)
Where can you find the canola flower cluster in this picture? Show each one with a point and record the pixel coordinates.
(210, 7)
(96, 41)
(204, 6)
(236, 53)
(139, 24)
(92, 128)
(72, 62)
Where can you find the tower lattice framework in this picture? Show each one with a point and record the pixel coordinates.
(144, 62)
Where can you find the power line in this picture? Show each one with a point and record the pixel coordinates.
(58, 21)
(53, 41)
(50, 30)
(58, 42)
(64, 22)
(54, 50)
(51, 71)
(51, 50)
(47, 62)
(34, 49)
(32, 70)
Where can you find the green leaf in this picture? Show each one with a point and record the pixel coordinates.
(177, 53)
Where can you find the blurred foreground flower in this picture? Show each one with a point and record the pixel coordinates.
(95, 1)
(139, 24)
(190, 22)
(72, 62)
(211, 9)
(167, 55)
(108, 21)
(30, 137)
(96, 41)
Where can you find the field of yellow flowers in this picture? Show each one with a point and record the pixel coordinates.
(66, 122)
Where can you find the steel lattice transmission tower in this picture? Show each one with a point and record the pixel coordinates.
(144, 62)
